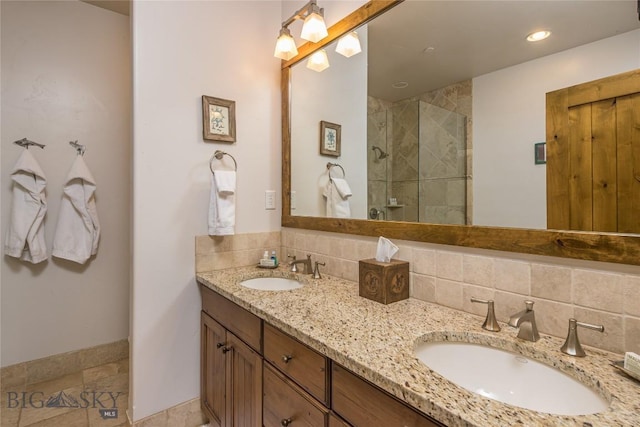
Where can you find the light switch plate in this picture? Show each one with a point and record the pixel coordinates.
(270, 199)
(293, 200)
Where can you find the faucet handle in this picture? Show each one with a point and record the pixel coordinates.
(490, 322)
(316, 271)
(572, 345)
(294, 266)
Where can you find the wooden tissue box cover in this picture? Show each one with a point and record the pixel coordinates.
(384, 282)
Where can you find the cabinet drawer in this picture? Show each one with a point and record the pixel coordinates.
(335, 421)
(302, 364)
(363, 404)
(234, 318)
(285, 403)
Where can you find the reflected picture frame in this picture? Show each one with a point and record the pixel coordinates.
(218, 119)
(330, 135)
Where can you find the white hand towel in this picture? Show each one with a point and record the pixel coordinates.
(222, 204)
(78, 230)
(337, 207)
(343, 188)
(25, 235)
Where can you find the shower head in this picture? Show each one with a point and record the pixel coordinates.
(381, 154)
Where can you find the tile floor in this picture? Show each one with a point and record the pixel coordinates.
(72, 400)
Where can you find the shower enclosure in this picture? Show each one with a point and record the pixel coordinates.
(416, 162)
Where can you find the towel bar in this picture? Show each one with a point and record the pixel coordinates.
(331, 165)
(219, 155)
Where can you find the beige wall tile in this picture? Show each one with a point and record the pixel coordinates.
(594, 289)
(449, 265)
(632, 334)
(102, 354)
(478, 270)
(449, 293)
(513, 276)
(13, 376)
(631, 295)
(552, 317)
(52, 367)
(507, 304)
(479, 292)
(551, 282)
(423, 261)
(612, 337)
(422, 287)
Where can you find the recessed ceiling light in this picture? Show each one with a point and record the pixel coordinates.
(429, 49)
(538, 35)
(399, 85)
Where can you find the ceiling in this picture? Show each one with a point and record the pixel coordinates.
(472, 38)
(118, 6)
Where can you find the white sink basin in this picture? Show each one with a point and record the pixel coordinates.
(510, 378)
(271, 284)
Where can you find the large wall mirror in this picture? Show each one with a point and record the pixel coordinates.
(440, 116)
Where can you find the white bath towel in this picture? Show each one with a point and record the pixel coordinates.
(78, 231)
(337, 206)
(343, 188)
(222, 204)
(25, 235)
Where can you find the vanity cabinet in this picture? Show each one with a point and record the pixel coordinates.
(362, 404)
(231, 368)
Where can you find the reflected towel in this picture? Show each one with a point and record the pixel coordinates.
(337, 207)
(78, 230)
(343, 188)
(25, 234)
(222, 204)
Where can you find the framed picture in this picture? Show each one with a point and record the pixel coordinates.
(540, 151)
(218, 119)
(329, 139)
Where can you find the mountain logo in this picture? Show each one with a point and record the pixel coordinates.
(62, 400)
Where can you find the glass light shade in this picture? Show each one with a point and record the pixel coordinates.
(318, 61)
(349, 45)
(314, 28)
(285, 46)
(538, 35)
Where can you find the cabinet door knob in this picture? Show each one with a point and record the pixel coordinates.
(285, 422)
(220, 344)
(286, 358)
(226, 349)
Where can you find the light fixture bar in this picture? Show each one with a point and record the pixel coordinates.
(314, 30)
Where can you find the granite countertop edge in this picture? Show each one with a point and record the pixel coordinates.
(377, 342)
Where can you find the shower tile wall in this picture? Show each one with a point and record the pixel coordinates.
(443, 161)
(378, 128)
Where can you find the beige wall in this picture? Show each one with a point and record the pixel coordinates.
(66, 76)
(591, 292)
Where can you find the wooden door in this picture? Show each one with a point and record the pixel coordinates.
(245, 377)
(593, 155)
(213, 382)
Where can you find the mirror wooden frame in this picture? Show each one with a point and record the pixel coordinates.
(592, 246)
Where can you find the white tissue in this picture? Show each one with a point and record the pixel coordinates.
(385, 250)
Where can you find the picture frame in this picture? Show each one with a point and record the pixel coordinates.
(540, 153)
(218, 119)
(330, 135)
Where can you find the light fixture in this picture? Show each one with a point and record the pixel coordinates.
(349, 45)
(285, 46)
(538, 35)
(313, 29)
(318, 61)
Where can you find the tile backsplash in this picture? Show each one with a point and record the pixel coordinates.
(592, 292)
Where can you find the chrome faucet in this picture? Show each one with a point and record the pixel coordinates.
(526, 321)
(572, 345)
(316, 271)
(490, 322)
(306, 263)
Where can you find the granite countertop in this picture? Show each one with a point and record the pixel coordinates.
(377, 342)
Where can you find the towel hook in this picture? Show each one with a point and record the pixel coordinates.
(219, 155)
(24, 142)
(331, 165)
(80, 149)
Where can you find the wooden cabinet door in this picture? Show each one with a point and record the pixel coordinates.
(245, 378)
(593, 155)
(213, 382)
